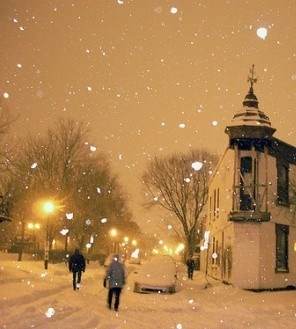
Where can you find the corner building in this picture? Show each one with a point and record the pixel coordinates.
(251, 228)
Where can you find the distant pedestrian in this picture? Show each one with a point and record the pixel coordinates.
(190, 267)
(115, 280)
(77, 266)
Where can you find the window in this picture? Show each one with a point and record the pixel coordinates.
(282, 239)
(246, 184)
(246, 165)
(282, 183)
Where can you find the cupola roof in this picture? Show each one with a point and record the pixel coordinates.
(250, 122)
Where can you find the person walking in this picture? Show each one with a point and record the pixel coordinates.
(190, 267)
(76, 266)
(115, 279)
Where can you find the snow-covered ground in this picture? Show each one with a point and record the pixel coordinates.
(27, 292)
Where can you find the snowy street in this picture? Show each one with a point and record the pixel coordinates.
(27, 293)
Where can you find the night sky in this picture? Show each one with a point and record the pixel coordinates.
(150, 77)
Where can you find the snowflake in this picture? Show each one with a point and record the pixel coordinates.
(262, 33)
(104, 220)
(214, 255)
(174, 10)
(69, 215)
(179, 326)
(19, 66)
(99, 190)
(182, 125)
(214, 123)
(64, 231)
(197, 165)
(50, 312)
(120, 2)
(89, 88)
(92, 148)
(187, 180)
(6, 95)
(88, 222)
(170, 227)
(34, 165)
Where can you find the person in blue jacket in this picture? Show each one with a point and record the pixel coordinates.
(115, 279)
(76, 266)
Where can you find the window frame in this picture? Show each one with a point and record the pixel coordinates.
(282, 189)
(282, 229)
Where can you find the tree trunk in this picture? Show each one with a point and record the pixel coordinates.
(190, 245)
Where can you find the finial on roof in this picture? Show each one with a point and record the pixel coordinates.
(251, 78)
(251, 99)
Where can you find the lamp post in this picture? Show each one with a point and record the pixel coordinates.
(48, 208)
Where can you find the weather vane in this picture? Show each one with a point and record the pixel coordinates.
(251, 77)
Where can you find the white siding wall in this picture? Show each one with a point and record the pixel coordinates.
(251, 246)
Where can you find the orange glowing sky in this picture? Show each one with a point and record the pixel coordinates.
(135, 71)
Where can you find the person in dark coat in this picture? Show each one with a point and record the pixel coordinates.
(115, 279)
(77, 266)
(190, 267)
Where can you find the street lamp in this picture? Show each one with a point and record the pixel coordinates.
(48, 207)
(113, 232)
(134, 243)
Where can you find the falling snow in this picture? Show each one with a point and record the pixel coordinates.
(69, 215)
(92, 148)
(262, 33)
(173, 10)
(50, 312)
(34, 165)
(197, 165)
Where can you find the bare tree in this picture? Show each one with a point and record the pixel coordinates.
(179, 184)
(61, 166)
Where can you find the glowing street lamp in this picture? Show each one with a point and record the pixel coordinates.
(48, 207)
(113, 233)
(126, 239)
(134, 243)
(33, 226)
